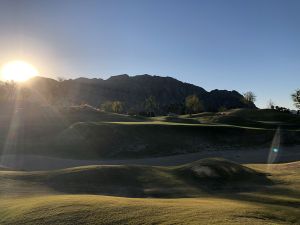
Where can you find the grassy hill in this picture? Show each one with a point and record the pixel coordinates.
(260, 118)
(87, 133)
(145, 181)
(218, 191)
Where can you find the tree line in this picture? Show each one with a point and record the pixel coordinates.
(192, 104)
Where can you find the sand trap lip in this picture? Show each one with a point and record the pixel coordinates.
(38, 162)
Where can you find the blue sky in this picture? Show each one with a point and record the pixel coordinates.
(233, 44)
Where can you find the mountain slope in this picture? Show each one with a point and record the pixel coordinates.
(132, 91)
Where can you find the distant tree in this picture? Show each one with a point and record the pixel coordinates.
(151, 105)
(282, 109)
(117, 106)
(222, 109)
(296, 98)
(107, 106)
(175, 108)
(271, 104)
(193, 104)
(249, 97)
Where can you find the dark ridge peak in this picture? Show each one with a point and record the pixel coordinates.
(40, 78)
(235, 92)
(84, 79)
(118, 77)
(143, 76)
(156, 77)
(224, 91)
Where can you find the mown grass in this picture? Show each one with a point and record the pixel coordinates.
(87, 209)
(152, 139)
(86, 133)
(274, 202)
(188, 180)
(91, 140)
(259, 118)
(206, 192)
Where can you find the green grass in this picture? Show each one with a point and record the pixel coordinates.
(86, 133)
(141, 181)
(244, 196)
(260, 118)
(211, 191)
(86, 209)
(152, 139)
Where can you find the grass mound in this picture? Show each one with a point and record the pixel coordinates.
(145, 181)
(221, 175)
(264, 115)
(259, 118)
(98, 140)
(271, 204)
(265, 118)
(84, 132)
(219, 169)
(139, 140)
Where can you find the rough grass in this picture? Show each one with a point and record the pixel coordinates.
(275, 203)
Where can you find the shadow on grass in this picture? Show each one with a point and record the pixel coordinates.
(208, 177)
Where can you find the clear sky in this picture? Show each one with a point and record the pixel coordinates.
(233, 44)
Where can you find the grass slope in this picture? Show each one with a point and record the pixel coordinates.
(259, 118)
(86, 133)
(142, 181)
(274, 202)
(86, 209)
(151, 139)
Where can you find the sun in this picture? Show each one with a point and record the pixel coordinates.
(18, 71)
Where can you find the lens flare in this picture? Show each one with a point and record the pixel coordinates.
(275, 147)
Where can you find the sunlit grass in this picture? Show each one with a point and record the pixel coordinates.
(275, 204)
(87, 209)
(154, 122)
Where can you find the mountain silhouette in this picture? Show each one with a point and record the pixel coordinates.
(132, 91)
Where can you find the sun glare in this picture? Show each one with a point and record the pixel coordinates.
(18, 71)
